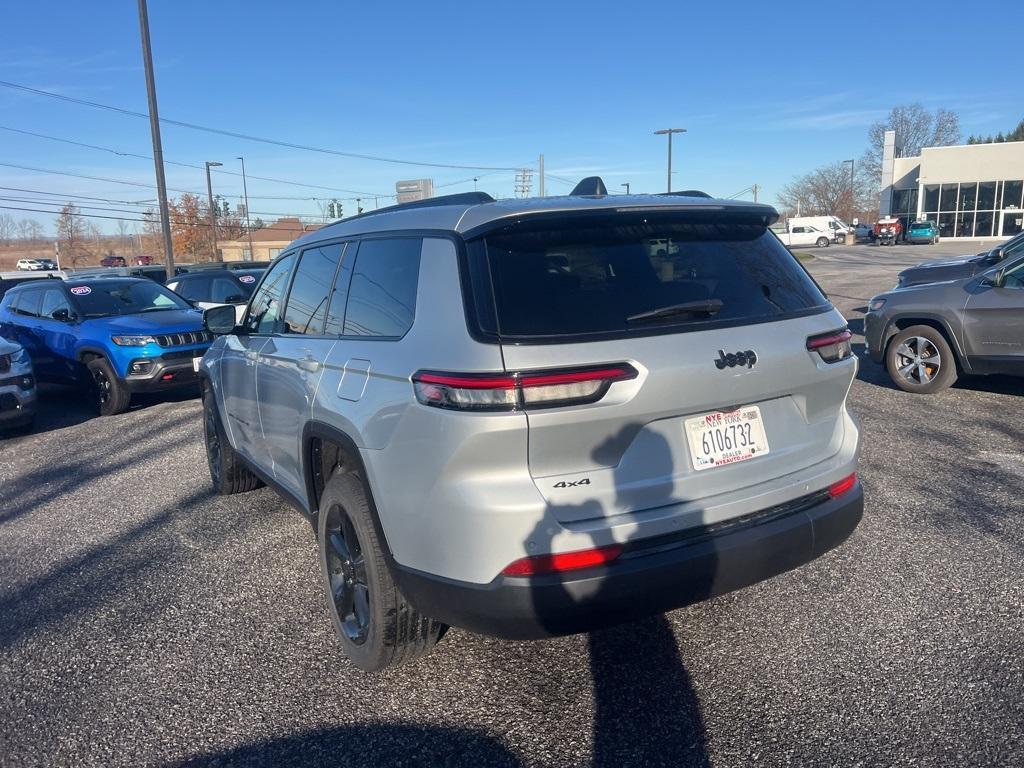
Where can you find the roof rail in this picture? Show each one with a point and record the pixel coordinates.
(686, 193)
(460, 198)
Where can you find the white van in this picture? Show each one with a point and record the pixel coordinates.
(836, 227)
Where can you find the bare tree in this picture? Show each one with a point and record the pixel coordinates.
(71, 232)
(7, 228)
(916, 128)
(123, 231)
(829, 191)
(25, 230)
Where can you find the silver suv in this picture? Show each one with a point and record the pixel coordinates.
(537, 417)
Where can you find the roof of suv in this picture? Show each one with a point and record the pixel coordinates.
(468, 213)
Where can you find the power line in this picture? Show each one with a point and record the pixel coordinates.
(247, 137)
(182, 222)
(185, 165)
(148, 206)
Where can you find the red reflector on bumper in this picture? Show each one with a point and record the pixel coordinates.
(565, 561)
(167, 376)
(838, 489)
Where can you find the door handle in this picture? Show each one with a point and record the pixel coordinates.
(251, 354)
(308, 364)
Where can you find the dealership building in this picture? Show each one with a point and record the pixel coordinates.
(975, 191)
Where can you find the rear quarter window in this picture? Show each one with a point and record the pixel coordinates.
(571, 280)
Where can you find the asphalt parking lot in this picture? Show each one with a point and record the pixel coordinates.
(144, 621)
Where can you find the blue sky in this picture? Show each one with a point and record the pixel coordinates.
(766, 92)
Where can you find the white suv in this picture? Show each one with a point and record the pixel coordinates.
(537, 417)
(30, 264)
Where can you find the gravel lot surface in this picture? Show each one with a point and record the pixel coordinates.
(144, 621)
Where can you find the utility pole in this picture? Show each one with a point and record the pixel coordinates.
(668, 132)
(626, 185)
(158, 152)
(755, 190)
(541, 169)
(475, 180)
(213, 211)
(248, 225)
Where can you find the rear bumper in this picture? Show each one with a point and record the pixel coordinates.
(653, 577)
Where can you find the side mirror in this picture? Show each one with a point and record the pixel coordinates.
(220, 321)
(235, 298)
(996, 255)
(62, 315)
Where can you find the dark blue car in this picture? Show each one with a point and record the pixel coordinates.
(118, 335)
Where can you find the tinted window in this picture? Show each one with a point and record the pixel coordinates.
(307, 300)
(225, 289)
(194, 289)
(28, 303)
(265, 306)
(568, 279)
(103, 298)
(54, 299)
(382, 296)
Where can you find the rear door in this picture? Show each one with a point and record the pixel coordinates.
(575, 296)
(58, 336)
(291, 362)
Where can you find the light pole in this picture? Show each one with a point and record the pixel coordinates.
(245, 194)
(626, 185)
(213, 211)
(668, 132)
(154, 127)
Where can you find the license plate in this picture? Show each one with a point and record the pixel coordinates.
(718, 438)
(195, 363)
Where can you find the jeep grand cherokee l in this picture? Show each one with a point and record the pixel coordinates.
(536, 417)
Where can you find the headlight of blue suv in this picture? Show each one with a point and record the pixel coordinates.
(132, 341)
(21, 356)
(875, 304)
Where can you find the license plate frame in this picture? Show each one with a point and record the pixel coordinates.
(733, 437)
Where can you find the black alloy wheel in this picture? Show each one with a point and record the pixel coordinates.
(346, 571)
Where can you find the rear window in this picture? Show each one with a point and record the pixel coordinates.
(621, 279)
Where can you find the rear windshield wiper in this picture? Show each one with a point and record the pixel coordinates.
(702, 308)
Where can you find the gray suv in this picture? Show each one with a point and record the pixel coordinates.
(537, 417)
(927, 334)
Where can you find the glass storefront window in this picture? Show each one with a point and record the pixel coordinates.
(1011, 193)
(968, 196)
(964, 225)
(1013, 223)
(931, 197)
(948, 199)
(986, 196)
(946, 222)
(983, 223)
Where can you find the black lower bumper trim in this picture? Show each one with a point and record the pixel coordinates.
(640, 585)
(156, 381)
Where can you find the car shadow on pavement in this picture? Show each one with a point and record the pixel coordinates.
(366, 746)
(646, 711)
(40, 486)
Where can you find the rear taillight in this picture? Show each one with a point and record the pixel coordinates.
(538, 565)
(846, 484)
(523, 390)
(832, 347)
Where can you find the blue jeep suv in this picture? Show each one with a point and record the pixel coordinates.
(118, 335)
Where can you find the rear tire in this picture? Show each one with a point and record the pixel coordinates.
(823, 242)
(227, 472)
(375, 624)
(112, 396)
(920, 360)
